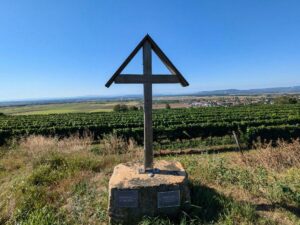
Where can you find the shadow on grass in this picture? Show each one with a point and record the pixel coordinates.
(211, 207)
(270, 207)
(206, 204)
(207, 207)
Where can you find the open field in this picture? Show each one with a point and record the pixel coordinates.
(62, 177)
(31, 108)
(51, 181)
(82, 107)
(186, 127)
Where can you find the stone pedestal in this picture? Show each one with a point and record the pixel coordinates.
(133, 195)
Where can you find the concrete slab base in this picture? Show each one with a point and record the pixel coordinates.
(133, 195)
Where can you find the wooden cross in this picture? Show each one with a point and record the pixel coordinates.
(147, 79)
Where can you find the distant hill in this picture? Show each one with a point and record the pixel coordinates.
(275, 90)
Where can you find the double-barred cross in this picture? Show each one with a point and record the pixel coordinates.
(147, 79)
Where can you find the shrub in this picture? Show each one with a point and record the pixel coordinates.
(43, 216)
(285, 100)
(46, 175)
(120, 108)
(283, 156)
(113, 144)
(133, 108)
(124, 108)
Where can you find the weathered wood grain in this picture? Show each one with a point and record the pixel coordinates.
(148, 133)
(139, 79)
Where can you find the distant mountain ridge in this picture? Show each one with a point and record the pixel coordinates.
(257, 91)
(226, 92)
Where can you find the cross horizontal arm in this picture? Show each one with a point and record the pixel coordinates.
(141, 79)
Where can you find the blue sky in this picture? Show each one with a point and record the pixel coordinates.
(61, 48)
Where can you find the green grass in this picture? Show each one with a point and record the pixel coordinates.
(62, 108)
(46, 181)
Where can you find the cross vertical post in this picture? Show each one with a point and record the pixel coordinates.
(148, 134)
(147, 79)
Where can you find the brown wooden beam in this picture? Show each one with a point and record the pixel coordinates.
(159, 53)
(127, 60)
(148, 131)
(167, 62)
(141, 79)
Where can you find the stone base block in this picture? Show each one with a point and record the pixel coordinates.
(133, 195)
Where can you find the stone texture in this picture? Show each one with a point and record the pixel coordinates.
(127, 181)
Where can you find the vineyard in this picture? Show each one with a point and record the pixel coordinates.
(269, 122)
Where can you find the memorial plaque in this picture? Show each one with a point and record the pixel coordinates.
(168, 199)
(127, 199)
(132, 194)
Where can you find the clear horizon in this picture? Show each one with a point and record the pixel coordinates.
(125, 95)
(65, 49)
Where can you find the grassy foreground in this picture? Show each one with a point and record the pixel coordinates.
(51, 181)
